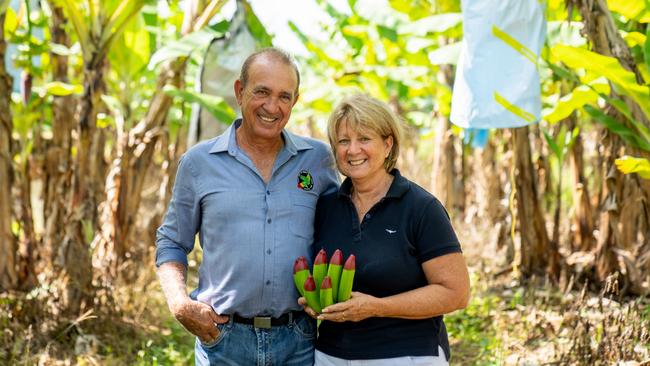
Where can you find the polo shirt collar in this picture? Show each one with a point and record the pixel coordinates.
(228, 141)
(397, 189)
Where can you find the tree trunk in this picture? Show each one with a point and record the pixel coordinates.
(537, 255)
(443, 170)
(87, 178)
(583, 219)
(126, 178)
(8, 275)
(57, 165)
(618, 191)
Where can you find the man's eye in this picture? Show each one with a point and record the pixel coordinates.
(285, 99)
(260, 93)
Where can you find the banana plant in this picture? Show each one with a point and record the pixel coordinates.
(560, 146)
(395, 57)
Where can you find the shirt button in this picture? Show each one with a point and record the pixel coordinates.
(268, 251)
(268, 221)
(367, 216)
(268, 192)
(268, 282)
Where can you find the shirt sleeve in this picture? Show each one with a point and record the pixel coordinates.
(175, 237)
(434, 234)
(329, 178)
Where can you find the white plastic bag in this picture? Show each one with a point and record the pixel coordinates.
(497, 83)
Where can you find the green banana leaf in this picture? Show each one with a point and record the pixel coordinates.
(629, 136)
(581, 95)
(213, 104)
(608, 67)
(184, 46)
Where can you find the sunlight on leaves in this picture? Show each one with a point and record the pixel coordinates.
(629, 165)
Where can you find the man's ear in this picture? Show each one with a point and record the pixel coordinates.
(239, 91)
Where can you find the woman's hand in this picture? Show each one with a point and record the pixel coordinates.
(360, 306)
(302, 301)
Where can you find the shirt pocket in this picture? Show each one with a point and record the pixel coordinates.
(303, 209)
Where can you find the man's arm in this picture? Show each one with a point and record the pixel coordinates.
(174, 240)
(198, 318)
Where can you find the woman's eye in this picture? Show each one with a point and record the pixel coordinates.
(343, 141)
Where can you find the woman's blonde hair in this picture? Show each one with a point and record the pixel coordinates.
(363, 112)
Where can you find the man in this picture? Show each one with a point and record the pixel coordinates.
(251, 194)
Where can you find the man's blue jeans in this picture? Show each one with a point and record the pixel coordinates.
(242, 344)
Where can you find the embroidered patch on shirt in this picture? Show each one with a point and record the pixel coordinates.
(305, 181)
(391, 231)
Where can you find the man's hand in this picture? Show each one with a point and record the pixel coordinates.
(199, 319)
(302, 301)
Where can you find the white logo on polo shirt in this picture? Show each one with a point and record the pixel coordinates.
(391, 231)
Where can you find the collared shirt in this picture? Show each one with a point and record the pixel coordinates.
(250, 231)
(406, 228)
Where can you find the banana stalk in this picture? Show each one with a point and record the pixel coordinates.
(320, 267)
(347, 277)
(326, 294)
(312, 295)
(300, 274)
(334, 272)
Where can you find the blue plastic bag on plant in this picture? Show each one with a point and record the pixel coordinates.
(497, 84)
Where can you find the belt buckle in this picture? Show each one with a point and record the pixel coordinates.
(262, 322)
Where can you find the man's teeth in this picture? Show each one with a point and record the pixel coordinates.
(357, 162)
(267, 119)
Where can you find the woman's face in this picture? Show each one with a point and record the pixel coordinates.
(361, 154)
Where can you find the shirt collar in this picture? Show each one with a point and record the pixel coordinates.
(228, 141)
(398, 187)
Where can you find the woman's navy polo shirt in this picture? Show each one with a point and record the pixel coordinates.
(404, 229)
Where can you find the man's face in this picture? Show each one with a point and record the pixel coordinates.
(267, 98)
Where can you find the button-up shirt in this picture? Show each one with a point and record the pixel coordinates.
(250, 231)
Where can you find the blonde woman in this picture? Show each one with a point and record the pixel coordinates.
(410, 270)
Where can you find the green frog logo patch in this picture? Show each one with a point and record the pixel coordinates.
(305, 181)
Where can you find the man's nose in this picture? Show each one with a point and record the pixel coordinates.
(272, 104)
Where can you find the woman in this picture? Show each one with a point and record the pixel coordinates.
(410, 270)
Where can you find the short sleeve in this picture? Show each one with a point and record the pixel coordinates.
(434, 234)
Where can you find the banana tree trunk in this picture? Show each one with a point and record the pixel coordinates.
(87, 180)
(443, 170)
(537, 255)
(57, 166)
(8, 247)
(583, 217)
(127, 175)
(619, 191)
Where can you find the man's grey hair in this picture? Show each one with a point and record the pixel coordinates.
(274, 53)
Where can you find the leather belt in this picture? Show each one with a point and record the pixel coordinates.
(265, 322)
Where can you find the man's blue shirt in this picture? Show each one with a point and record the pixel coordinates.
(250, 231)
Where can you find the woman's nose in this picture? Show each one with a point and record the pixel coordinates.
(354, 147)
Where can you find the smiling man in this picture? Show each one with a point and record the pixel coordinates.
(250, 194)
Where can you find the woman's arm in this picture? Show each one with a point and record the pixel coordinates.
(448, 290)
